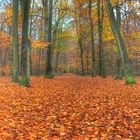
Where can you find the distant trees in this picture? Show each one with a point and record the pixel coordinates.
(80, 33)
(71, 36)
(97, 22)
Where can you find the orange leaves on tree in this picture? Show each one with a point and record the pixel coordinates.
(5, 39)
(39, 44)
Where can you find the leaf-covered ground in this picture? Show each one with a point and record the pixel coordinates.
(70, 107)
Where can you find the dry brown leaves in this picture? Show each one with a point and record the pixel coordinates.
(70, 107)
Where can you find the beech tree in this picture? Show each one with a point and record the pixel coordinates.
(129, 77)
(92, 39)
(119, 71)
(69, 36)
(25, 44)
(48, 72)
(100, 11)
(15, 71)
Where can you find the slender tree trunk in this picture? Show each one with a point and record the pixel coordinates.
(56, 62)
(100, 34)
(6, 56)
(81, 55)
(25, 46)
(46, 19)
(56, 39)
(119, 74)
(31, 18)
(29, 62)
(92, 39)
(48, 72)
(45, 6)
(31, 24)
(129, 77)
(15, 71)
(87, 57)
(39, 59)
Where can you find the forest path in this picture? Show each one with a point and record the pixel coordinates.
(69, 107)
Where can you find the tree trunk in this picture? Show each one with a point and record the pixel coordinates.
(81, 55)
(92, 39)
(48, 72)
(45, 6)
(87, 56)
(119, 72)
(56, 61)
(25, 45)
(15, 71)
(29, 62)
(100, 34)
(129, 77)
(31, 24)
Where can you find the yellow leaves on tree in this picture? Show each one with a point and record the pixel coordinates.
(7, 15)
(39, 44)
(5, 39)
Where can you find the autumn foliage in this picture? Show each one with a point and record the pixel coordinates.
(61, 62)
(70, 107)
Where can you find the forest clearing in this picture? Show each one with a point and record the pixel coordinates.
(69, 69)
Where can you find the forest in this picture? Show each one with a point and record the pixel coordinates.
(70, 69)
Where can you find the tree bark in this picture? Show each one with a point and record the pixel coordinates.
(100, 35)
(119, 72)
(81, 55)
(15, 71)
(92, 39)
(129, 77)
(25, 45)
(31, 24)
(48, 72)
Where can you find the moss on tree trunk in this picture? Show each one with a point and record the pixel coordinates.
(129, 77)
(25, 46)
